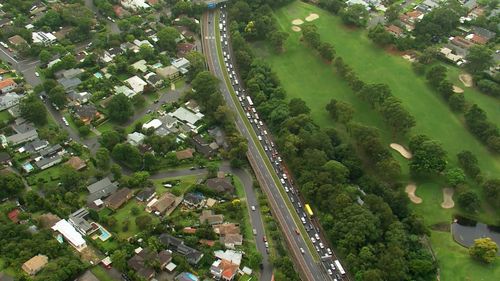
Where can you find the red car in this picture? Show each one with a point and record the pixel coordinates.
(297, 231)
(264, 238)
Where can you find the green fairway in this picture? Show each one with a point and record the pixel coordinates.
(305, 75)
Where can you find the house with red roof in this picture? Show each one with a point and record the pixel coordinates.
(14, 215)
(7, 85)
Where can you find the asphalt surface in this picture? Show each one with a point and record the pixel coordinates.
(266, 272)
(308, 268)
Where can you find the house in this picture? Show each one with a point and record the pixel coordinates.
(9, 100)
(220, 185)
(155, 124)
(192, 256)
(184, 48)
(208, 216)
(194, 200)
(229, 255)
(43, 38)
(447, 53)
(182, 64)
(461, 42)
(193, 106)
(69, 73)
(50, 151)
(140, 65)
(77, 219)
(136, 138)
(21, 138)
(226, 228)
(125, 91)
(141, 261)
(469, 4)
(47, 162)
(203, 147)
(224, 270)
(53, 62)
(146, 194)
(231, 240)
(166, 204)
(4, 158)
(127, 46)
(17, 40)
(359, 2)
(136, 84)
(485, 33)
(69, 83)
(7, 85)
(186, 276)
(168, 72)
(79, 97)
(476, 39)
(76, 163)
(119, 11)
(134, 4)
(86, 113)
(14, 215)
(154, 80)
(5, 22)
(184, 154)
(187, 116)
(73, 237)
(395, 30)
(101, 189)
(139, 43)
(35, 264)
(61, 33)
(118, 198)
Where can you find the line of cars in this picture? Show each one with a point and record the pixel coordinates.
(332, 266)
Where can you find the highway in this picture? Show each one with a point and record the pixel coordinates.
(309, 269)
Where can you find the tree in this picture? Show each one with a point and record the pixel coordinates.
(311, 35)
(57, 96)
(102, 158)
(492, 191)
(392, 13)
(428, 157)
(468, 162)
(120, 108)
(11, 184)
(128, 155)
(32, 109)
(326, 51)
(354, 15)
(340, 111)
(469, 201)
(109, 139)
(397, 117)
(298, 106)
(484, 250)
(143, 221)
(146, 52)
(455, 177)
(457, 102)
(44, 56)
(380, 36)
(436, 75)
(197, 61)
(212, 169)
(479, 59)
(116, 170)
(167, 39)
(278, 39)
(337, 171)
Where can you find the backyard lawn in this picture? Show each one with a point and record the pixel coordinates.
(303, 74)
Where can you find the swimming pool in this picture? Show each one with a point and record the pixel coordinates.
(104, 234)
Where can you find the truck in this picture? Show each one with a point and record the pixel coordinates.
(339, 267)
(250, 102)
(308, 210)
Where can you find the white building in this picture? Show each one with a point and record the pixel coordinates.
(139, 43)
(135, 4)
(43, 38)
(135, 138)
(124, 90)
(136, 84)
(70, 234)
(9, 100)
(155, 124)
(186, 116)
(181, 64)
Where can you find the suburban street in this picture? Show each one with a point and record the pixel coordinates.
(266, 272)
(309, 269)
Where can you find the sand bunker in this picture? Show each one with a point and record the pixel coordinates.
(312, 17)
(403, 151)
(410, 190)
(466, 79)
(448, 202)
(296, 28)
(297, 22)
(457, 90)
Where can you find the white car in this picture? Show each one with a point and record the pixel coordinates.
(329, 251)
(313, 240)
(321, 245)
(316, 235)
(284, 175)
(253, 208)
(330, 272)
(37, 74)
(302, 250)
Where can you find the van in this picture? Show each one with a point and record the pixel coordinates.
(259, 137)
(303, 220)
(254, 231)
(282, 181)
(262, 124)
(240, 99)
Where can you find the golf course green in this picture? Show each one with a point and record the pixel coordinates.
(304, 75)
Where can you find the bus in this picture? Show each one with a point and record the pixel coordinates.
(249, 101)
(308, 210)
(339, 267)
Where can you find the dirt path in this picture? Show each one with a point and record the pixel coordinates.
(403, 151)
(448, 202)
(410, 190)
(466, 79)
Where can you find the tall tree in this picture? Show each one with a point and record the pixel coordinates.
(479, 59)
(120, 108)
(32, 109)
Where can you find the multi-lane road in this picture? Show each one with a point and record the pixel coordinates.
(308, 267)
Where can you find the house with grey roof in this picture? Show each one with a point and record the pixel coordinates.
(69, 83)
(47, 162)
(9, 100)
(100, 189)
(69, 73)
(79, 221)
(21, 138)
(35, 146)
